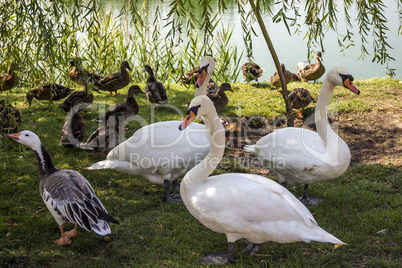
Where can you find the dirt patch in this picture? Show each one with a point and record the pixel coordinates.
(373, 137)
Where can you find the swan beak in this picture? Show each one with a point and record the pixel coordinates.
(201, 77)
(189, 118)
(15, 136)
(349, 84)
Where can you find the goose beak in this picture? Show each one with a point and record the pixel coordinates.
(349, 84)
(189, 118)
(15, 136)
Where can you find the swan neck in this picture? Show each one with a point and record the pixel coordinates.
(321, 111)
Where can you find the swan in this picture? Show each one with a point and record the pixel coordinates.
(67, 194)
(160, 152)
(242, 206)
(301, 156)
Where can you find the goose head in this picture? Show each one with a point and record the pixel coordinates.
(27, 138)
(199, 106)
(341, 77)
(207, 66)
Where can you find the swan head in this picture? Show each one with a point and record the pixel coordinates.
(341, 77)
(207, 66)
(27, 138)
(199, 106)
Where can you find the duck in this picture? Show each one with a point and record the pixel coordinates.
(235, 128)
(48, 91)
(115, 81)
(289, 77)
(155, 90)
(74, 129)
(80, 76)
(303, 156)
(8, 80)
(300, 98)
(242, 205)
(10, 118)
(312, 72)
(159, 151)
(103, 139)
(68, 195)
(219, 98)
(124, 109)
(87, 99)
(251, 71)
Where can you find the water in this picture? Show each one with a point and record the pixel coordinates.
(293, 49)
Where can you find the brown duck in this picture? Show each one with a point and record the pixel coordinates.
(124, 109)
(115, 81)
(313, 71)
(156, 92)
(48, 91)
(289, 77)
(10, 118)
(74, 129)
(8, 80)
(86, 98)
(219, 98)
(81, 76)
(300, 98)
(251, 71)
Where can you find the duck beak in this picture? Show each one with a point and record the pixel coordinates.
(189, 118)
(201, 77)
(15, 136)
(349, 84)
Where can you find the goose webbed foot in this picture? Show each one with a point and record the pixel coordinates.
(221, 258)
(308, 200)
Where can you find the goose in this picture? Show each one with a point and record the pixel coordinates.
(251, 71)
(155, 90)
(74, 129)
(125, 109)
(115, 81)
(10, 118)
(87, 99)
(80, 76)
(48, 91)
(219, 98)
(289, 77)
(242, 205)
(160, 152)
(313, 71)
(301, 156)
(300, 98)
(67, 194)
(8, 80)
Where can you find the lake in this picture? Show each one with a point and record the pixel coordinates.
(293, 49)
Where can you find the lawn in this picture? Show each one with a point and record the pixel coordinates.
(362, 207)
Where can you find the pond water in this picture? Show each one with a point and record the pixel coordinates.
(292, 49)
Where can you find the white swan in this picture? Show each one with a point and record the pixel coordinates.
(242, 206)
(160, 152)
(301, 156)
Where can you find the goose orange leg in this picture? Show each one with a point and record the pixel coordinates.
(63, 240)
(72, 233)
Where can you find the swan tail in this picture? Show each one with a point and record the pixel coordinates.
(250, 149)
(100, 165)
(325, 237)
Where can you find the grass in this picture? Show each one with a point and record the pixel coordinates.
(362, 207)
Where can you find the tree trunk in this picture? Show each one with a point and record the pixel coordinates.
(289, 112)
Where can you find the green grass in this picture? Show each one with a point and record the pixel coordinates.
(359, 204)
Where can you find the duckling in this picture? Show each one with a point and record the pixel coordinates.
(115, 81)
(87, 99)
(8, 80)
(67, 194)
(156, 92)
(125, 109)
(74, 129)
(276, 82)
(313, 71)
(219, 98)
(80, 76)
(103, 139)
(10, 118)
(48, 91)
(251, 71)
(300, 98)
